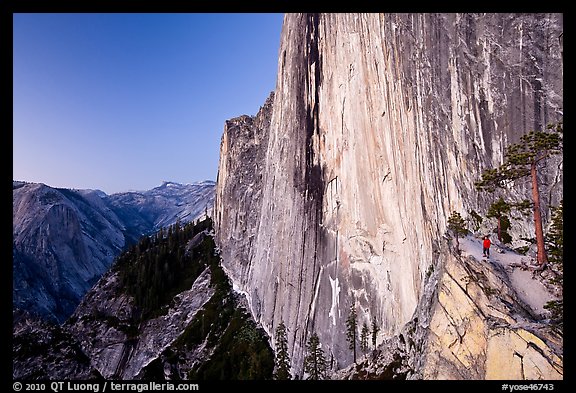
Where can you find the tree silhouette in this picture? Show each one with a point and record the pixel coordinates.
(555, 239)
(364, 337)
(457, 225)
(498, 210)
(314, 362)
(375, 330)
(351, 329)
(282, 357)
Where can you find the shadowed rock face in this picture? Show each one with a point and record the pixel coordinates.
(62, 244)
(42, 351)
(109, 333)
(379, 127)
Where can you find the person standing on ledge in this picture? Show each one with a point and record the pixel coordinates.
(486, 247)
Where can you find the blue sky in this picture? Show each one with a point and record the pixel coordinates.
(122, 102)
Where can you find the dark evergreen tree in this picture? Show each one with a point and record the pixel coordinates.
(475, 220)
(375, 330)
(457, 225)
(282, 356)
(523, 161)
(314, 362)
(364, 337)
(499, 211)
(351, 326)
(505, 225)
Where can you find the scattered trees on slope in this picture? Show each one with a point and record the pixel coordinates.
(167, 263)
(160, 266)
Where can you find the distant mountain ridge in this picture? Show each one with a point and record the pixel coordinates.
(164, 205)
(65, 239)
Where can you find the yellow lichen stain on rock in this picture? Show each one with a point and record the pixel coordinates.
(459, 333)
(473, 337)
(501, 363)
(512, 354)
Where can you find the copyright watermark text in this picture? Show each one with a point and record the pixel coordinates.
(101, 387)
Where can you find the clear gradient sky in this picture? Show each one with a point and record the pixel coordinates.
(121, 102)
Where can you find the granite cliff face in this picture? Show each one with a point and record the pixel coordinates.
(339, 190)
(62, 244)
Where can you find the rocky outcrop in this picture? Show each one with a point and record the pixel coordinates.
(64, 240)
(479, 328)
(110, 334)
(239, 185)
(470, 324)
(379, 128)
(43, 351)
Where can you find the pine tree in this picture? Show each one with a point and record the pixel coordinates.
(498, 210)
(475, 220)
(457, 225)
(523, 160)
(505, 225)
(282, 357)
(351, 329)
(364, 338)
(375, 330)
(314, 362)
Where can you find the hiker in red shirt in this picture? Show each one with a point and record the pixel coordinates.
(486, 247)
